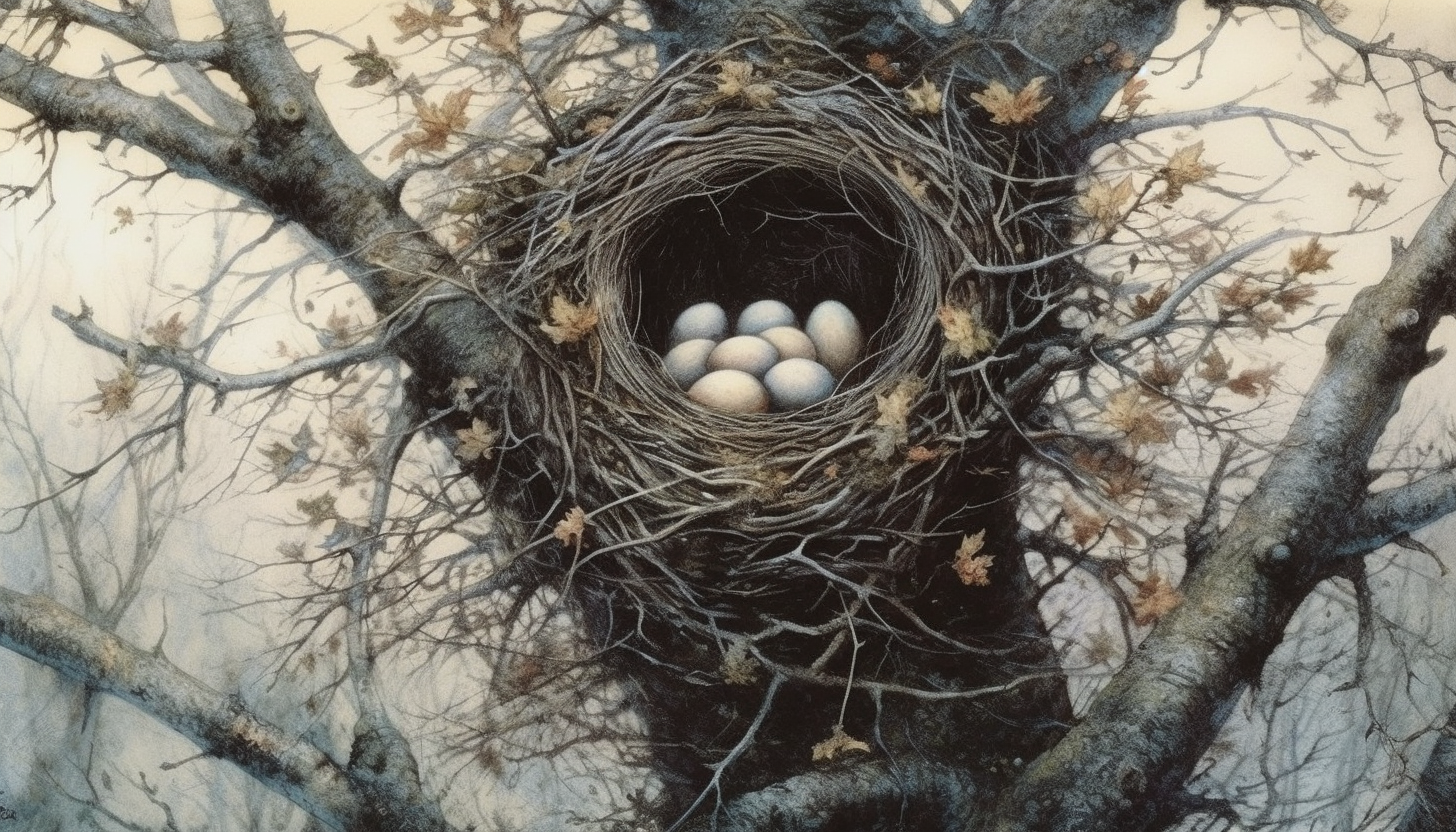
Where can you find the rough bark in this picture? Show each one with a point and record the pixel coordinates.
(1143, 734)
(1434, 803)
(220, 725)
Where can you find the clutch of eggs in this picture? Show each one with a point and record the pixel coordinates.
(769, 363)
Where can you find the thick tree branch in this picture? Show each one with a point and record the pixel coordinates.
(867, 795)
(1434, 803)
(1148, 728)
(134, 28)
(1396, 512)
(48, 633)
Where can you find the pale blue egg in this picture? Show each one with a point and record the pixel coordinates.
(798, 383)
(748, 353)
(732, 390)
(765, 314)
(701, 320)
(687, 362)
(836, 335)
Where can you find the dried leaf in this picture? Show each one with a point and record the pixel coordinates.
(1253, 383)
(502, 34)
(1162, 374)
(1334, 10)
(1102, 202)
(1155, 598)
(1133, 95)
(569, 322)
(168, 333)
(353, 427)
(318, 510)
(1325, 91)
(1086, 524)
(477, 442)
(1310, 258)
(735, 81)
(738, 667)
(117, 393)
(894, 407)
(124, 217)
(965, 335)
(413, 22)
(1011, 108)
(1215, 367)
(1185, 167)
(1366, 193)
(837, 744)
(1129, 410)
(1244, 294)
(1293, 297)
(437, 123)
(571, 529)
(372, 66)
(973, 568)
(1144, 306)
(1391, 121)
(924, 99)
(883, 68)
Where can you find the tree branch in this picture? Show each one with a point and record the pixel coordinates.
(1147, 729)
(48, 633)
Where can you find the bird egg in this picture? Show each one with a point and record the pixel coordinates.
(701, 320)
(791, 342)
(765, 314)
(747, 353)
(732, 390)
(836, 335)
(797, 383)
(687, 362)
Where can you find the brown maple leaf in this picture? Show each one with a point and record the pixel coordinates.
(838, 743)
(1292, 297)
(413, 22)
(438, 122)
(1325, 91)
(1133, 95)
(1215, 367)
(568, 322)
(972, 567)
(1244, 294)
(1184, 167)
(1253, 383)
(502, 33)
(1086, 525)
(168, 333)
(477, 442)
(1006, 107)
(118, 393)
(1391, 121)
(1102, 202)
(371, 65)
(1129, 411)
(1155, 598)
(353, 427)
(1310, 258)
(1369, 193)
(318, 510)
(1162, 374)
(1144, 306)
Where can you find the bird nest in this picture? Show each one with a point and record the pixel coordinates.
(798, 179)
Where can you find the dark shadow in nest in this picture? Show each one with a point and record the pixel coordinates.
(784, 234)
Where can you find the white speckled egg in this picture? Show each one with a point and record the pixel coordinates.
(836, 335)
(748, 353)
(701, 320)
(687, 362)
(763, 315)
(791, 342)
(797, 383)
(732, 390)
